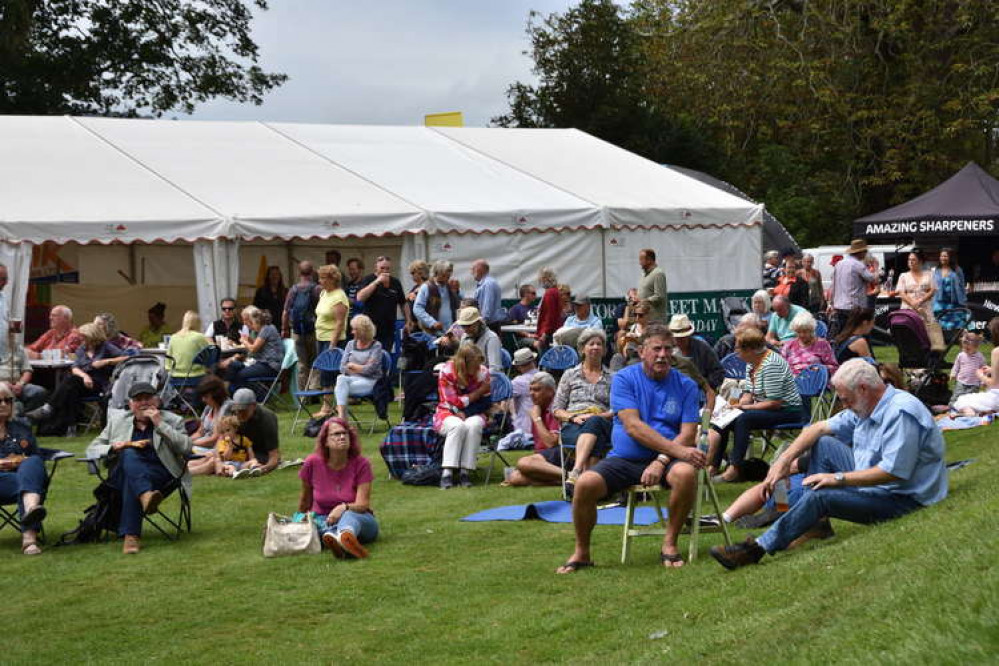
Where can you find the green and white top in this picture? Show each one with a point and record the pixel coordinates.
(773, 381)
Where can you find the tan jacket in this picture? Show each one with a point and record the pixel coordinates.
(170, 440)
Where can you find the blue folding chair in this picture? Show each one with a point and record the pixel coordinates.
(506, 361)
(327, 361)
(558, 359)
(821, 328)
(501, 389)
(735, 367)
(811, 383)
(370, 397)
(207, 358)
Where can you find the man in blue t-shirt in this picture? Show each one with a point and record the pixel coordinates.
(655, 425)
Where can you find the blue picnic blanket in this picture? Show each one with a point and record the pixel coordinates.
(557, 511)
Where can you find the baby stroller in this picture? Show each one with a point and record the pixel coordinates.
(916, 358)
(140, 368)
(733, 307)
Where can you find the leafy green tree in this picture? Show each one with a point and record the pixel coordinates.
(590, 69)
(127, 57)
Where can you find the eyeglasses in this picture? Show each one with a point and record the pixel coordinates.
(6, 401)
(229, 309)
(338, 434)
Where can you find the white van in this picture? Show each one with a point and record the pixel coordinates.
(824, 255)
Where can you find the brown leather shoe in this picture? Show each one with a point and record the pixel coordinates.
(820, 530)
(150, 501)
(738, 554)
(131, 545)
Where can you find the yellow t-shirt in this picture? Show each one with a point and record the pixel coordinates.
(324, 314)
(235, 449)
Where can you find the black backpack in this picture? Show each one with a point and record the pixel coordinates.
(423, 475)
(100, 517)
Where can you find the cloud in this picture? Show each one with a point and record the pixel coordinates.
(389, 62)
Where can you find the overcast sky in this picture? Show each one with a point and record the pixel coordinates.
(389, 61)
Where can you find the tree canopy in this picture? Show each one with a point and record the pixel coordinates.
(127, 57)
(824, 109)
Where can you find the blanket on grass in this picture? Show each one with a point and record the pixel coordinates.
(557, 511)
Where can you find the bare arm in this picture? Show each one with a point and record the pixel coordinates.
(781, 467)
(362, 500)
(339, 321)
(305, 497)
(273, 458)
(679, 447)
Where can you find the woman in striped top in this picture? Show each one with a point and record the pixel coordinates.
(772, 399)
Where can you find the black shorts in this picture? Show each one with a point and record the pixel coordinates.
(621, 473)
(553, 456)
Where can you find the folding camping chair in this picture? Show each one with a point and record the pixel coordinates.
(327, 361)
(500, 391)
(694, 526)
(812, 383)
(273, 383)
(51, 458)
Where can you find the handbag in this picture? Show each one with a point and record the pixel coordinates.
(283, 536)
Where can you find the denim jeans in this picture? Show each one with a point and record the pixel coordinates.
(29, 478)
(137, 471)
(746, 423)
(240, 375)
(856, 505)
(363, 525)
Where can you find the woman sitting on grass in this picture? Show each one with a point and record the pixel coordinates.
(336, 485)
(214, 395)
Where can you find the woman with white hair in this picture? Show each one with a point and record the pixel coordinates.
(582, 403)
(806, 348)
(361, 366)
(760, 305)
(109, 323)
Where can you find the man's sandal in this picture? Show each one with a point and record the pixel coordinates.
(673, 560)
(572, 567)
(31, 548)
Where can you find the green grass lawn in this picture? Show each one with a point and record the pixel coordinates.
(922, 589)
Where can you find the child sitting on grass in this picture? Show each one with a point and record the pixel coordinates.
(966, 365)
(233, 451)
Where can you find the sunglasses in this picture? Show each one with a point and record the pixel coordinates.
(6, 401)
(225, 309)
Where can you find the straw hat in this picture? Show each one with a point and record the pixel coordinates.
(857, 246)
(468, 316)
(680, 326)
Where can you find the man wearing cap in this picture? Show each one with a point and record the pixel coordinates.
(520, 405)
(652, 286)
(779, 329)
(260, 425)
(146, 449)
(153, 334)
(697, 350)
(849, 285)
(476, 332)
(581, 318)
(488, 295)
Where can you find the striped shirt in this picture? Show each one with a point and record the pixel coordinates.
(773, 381)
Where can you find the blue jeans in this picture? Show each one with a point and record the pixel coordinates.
(240, 375)
(363, 525)
(137, 471)
(745, 424)
(856, 505)
(29, 478)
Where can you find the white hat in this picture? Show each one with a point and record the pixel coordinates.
(468, 316)
(523, 356)
(680, 326)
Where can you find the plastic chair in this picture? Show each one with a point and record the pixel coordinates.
(328, 361)
(501, 389)
(821, 328)
(51, 458)
(735, 367)
(369, 397)
(558, 359)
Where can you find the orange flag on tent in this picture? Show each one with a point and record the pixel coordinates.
(262, 272)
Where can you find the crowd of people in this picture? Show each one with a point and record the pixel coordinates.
(626, 414)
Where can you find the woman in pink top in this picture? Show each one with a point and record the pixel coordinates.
(805, 348)
(464, 389)
(336, 485)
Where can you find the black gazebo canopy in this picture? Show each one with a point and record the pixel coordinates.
(966, 204)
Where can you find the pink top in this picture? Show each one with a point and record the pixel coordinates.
(334, 486)
(551, 423)
(800, 357)
(452, 397)
(966, 366)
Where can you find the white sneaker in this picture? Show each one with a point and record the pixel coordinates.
(241, 474)
(255, 472)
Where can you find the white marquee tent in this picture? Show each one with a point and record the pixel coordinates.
(521, 198)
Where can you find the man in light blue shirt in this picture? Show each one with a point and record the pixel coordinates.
(895, 466)
(779, 329)
(582, 316)
(436, 305)
(488, 295)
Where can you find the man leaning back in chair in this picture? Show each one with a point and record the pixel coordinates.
(655, 424)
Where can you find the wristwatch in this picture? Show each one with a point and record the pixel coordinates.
(840, 478)
(663, 458)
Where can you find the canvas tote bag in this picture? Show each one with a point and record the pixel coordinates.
(282, 536)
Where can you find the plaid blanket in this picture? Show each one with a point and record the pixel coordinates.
(409, 444)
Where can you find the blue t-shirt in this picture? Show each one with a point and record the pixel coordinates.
(663, 405)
